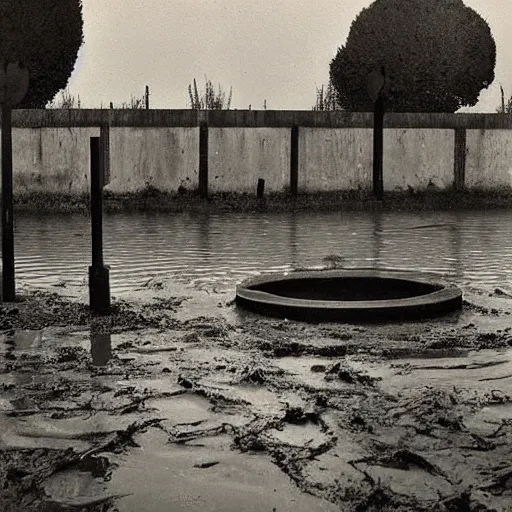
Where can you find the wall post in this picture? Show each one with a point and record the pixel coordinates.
(203, 158)
(459, 159)
(294, 161)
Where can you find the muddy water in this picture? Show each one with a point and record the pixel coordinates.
(214, 252)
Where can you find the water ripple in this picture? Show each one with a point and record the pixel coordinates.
(221, 250)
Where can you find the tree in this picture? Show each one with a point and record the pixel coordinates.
(209, 99)
(438, 56)
(45, 36)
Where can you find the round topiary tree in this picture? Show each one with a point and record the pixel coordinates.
(45, 35)
(438, 55)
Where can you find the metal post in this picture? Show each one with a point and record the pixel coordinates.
(8, 284)
(99, 286)
(378, 148)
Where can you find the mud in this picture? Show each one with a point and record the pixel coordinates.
(169, 405)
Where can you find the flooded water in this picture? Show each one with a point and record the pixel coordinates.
(214, 252)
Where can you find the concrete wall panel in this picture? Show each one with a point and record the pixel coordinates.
(238, 157)
(164, 158)
(334, 159)
(417, 158)
(53, 160)
(488, 158)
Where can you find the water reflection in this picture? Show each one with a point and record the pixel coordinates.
(217, 251)
(101, 348)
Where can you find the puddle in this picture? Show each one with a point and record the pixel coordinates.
(204, 479)
(480, 371)
(182, 409)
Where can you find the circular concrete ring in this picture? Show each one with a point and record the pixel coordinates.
(348, 296)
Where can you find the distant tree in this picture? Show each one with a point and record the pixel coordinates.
(327, 98)
(45, 35)
(438, 56)
(209, 99)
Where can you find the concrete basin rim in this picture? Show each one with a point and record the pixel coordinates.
(447, 292)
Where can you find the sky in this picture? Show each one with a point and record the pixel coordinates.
(273, 50)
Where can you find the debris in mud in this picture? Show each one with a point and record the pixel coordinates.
(253, 375)
(186, 383)
(206, 465)
(41, 309)
(349, 375)
(298, 416)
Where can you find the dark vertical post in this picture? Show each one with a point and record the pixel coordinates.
(378, 148)
(260, 189)
(99, 286)
(294, 161)
(459, 159)
(105, 154)
(203, 159)
(147, 96)
(8, 285)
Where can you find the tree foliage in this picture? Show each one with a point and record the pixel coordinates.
(438, 56)
(209, 99)
(45, 35)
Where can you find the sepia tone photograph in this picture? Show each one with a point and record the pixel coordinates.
(256, 256)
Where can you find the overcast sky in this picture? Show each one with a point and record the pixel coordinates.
(278, 50)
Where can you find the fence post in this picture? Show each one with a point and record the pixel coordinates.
(294, 161)
(203, 159)
(8, 284)
(459, 159)
(99, 285)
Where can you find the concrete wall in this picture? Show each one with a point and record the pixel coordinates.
(51, 159)
(418, 158)
(237, 158)
(339, 159)
(162, 148)
(489, 158)
(165, 158)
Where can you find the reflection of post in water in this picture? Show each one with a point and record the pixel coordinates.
(377, 239)
(292, 238)
(456, 243)
(204, 224)
(101, 347)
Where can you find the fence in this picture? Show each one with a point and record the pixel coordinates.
(230, 150)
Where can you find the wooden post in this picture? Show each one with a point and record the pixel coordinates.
(378, 148)
(99, 285)
(459, 160)
(294, 161)
(260, 190)
(203, 159)
(376, 82)
(8, 284)
(147, 96)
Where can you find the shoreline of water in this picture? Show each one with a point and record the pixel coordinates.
(152, 200)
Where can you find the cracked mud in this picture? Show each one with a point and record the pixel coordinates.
(154, 409)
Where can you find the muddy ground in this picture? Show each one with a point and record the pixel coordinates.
(181, 402)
